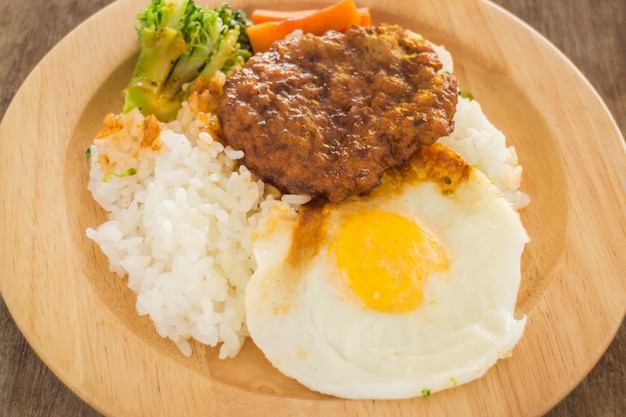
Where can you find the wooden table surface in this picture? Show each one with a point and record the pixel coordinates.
(590, 32)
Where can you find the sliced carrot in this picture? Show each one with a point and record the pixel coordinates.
(339, 16)
(259, 16)
(365, 15)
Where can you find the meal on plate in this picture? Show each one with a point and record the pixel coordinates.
(318, 184)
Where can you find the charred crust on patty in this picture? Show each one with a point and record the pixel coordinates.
(328, 115)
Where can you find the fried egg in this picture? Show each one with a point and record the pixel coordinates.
(401, 293)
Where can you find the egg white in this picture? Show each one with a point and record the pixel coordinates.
(318, 332)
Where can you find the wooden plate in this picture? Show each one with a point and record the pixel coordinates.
(81, 319)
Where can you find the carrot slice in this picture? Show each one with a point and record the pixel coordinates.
(339, 16)
(259, 16)
(365, 15)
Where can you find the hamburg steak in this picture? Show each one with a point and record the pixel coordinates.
(327, 115)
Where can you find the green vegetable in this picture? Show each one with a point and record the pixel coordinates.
(466, 95)
(88, 154)
(180, 42)
(425, 392)
(128, 173)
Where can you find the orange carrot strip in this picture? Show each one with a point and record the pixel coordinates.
(365, 15)
(259, 16)
(339, 16)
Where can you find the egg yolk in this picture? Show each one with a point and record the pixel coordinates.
(387, 257)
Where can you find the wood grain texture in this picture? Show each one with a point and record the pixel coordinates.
(588, 32)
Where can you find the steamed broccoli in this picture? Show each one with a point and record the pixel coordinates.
(180, 42)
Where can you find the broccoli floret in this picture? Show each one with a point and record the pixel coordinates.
(180, 42)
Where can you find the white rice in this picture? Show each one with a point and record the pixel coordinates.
(180, 228)
(481, 144)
